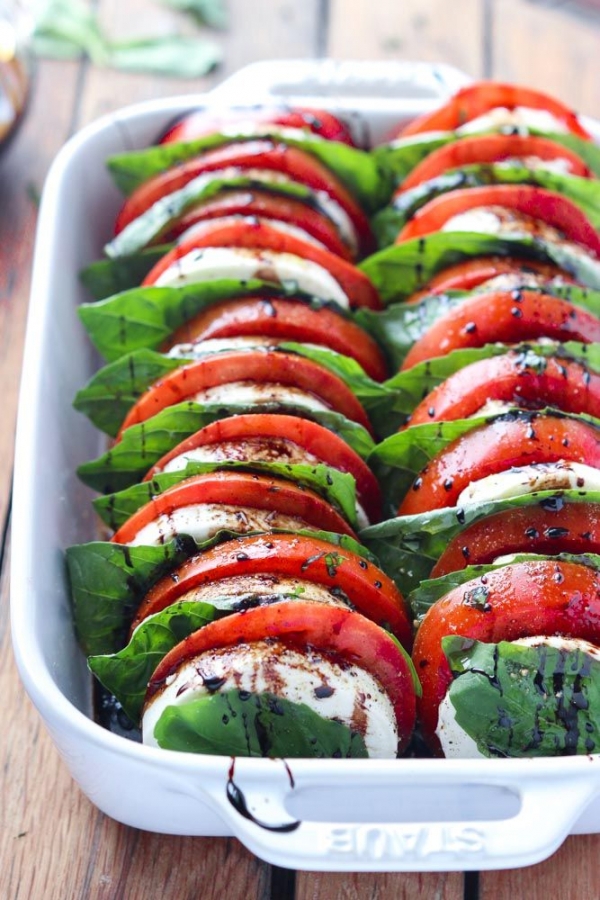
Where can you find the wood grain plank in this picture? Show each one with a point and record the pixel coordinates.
(430, 30)
(22, 172)
(553, 49)
(282, 28)
(55, 844)
(396, 885)
(572, 872)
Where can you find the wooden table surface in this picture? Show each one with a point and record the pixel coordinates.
(53, 842)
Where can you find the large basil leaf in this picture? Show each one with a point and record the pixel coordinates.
(146, 317)
(338, 488)
(584, 192)
(359, 171)
(408, 547)
(108, 581)
(402, 269)
(113, 390)
(238, 723)
(105, 277)
(141, 446)
(515, 701)
(126, 674)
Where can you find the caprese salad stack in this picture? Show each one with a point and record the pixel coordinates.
(493, 320)
(233, 609)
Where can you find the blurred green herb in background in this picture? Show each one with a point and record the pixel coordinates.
(68, 29)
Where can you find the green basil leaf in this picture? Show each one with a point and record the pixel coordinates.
(141, 446)
(338, 488)
(516, 701)
(105, 277)
(146, 317)
(126, 674)
(401, 270)
(174, 55)
(237, 723)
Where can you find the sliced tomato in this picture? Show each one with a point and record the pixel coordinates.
(199, 123)
(495, 447)
(517, 378)
(526, 599)
(253, 234)
(345, 635)
(471, 273)
(548, 528)
(254, 154)
(260, 366)
(368, 589)
(284, 320)
(534, 203)
(268, 205)
(242, 490)
(278, 435)
(491, 148)
(478, 98)
(508, 317)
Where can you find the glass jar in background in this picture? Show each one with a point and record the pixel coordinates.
(14, 67)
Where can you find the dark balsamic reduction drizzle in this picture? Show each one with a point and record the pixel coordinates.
(238, 801)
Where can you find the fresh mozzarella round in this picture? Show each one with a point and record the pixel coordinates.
(252, 590)
(203, 520)
(569, 645)
(520, 480)
(218, 345)
(501, 220)
(254, 450)
(521, 118)
(560, 165)
(252, 393)
(242, 264)
(224, 221)
(511, 281)
(342, 692)
(456, 743)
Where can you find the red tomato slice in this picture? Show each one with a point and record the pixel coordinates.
(514, 378)
(199, 123)
(259, 366)
(284, 320)
(479, 98)
(470, 273)
(345, 635)
(279, 434)
(253, 234)
(548, 528)
(489, 449)
(367, 588)
(255, 154)
(239, 489)
(521, 600)
(268, 205)
(527, 200)
(508, 317)
(491, 148)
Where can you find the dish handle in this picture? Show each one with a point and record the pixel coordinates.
(261, 809)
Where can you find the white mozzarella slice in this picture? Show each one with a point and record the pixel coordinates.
(241, 264)
(520, 118)
(344, 693)
(521, 480)
(570, 645)
(251, 393)
(218, 345)
(282, 227)
(492, 408)
(501, 220)
(203, 520)
(456, 743)
(243, 588)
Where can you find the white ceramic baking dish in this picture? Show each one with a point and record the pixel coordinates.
(332, 815)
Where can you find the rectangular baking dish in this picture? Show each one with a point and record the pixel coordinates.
(334, 815)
